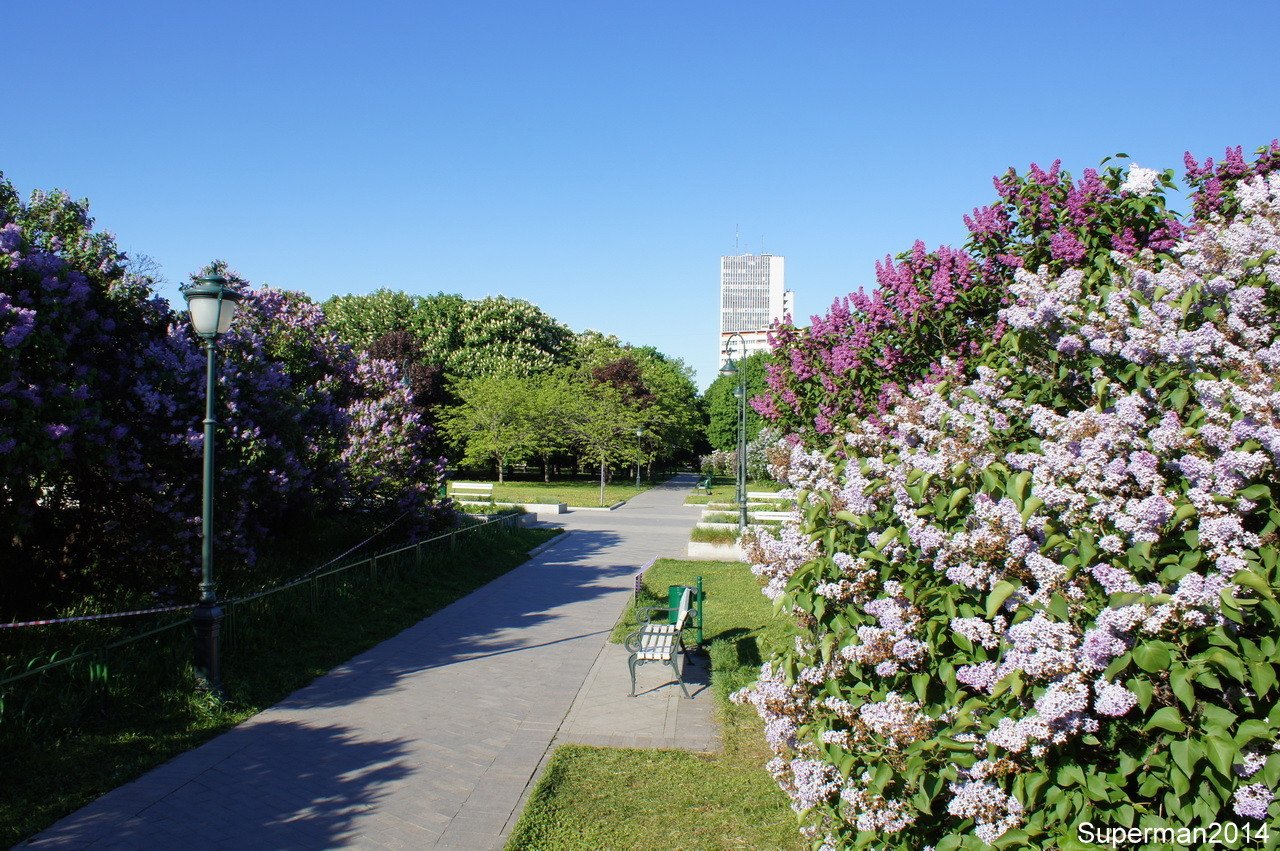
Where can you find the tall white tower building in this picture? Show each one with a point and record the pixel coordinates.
(753, 295)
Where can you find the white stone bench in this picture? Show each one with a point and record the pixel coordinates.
(661, 642)
(472, 493)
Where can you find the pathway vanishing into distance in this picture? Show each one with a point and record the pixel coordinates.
(430, 739)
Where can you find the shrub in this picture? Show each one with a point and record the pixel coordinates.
(1040, 589)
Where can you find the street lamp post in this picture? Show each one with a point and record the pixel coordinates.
(740, 392)
(639, 450)
(212, 306)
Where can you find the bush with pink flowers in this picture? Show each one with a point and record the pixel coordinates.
(1037, 587)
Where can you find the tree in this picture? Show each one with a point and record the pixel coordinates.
(602, 426)
(507, 335)
(492, 420)
(550, 395)
(361, 320)
(722, 404)
(428, 390)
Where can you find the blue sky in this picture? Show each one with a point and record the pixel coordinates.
(595, 158)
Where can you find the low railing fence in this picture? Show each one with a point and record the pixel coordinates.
(101, 667)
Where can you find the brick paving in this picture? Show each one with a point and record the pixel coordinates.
(432, 738)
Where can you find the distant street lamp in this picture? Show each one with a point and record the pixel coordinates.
(639, 452)
(212, 306)
(740, 392)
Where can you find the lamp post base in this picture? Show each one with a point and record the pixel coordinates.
(207, 620)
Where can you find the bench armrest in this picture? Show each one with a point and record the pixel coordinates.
(647, 613)
(632, 642)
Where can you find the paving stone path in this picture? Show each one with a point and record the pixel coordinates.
(432, 738)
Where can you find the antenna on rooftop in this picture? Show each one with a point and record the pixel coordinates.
(736, 235)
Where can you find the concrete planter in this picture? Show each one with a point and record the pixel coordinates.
(540, 507)
(715, 552)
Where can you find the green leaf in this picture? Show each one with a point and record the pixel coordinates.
(1217, 718)
(1166, 718)
(1250, 730)
(1228, 663)
(1185, 755)
(1221, 753)
(1143, 689)
(1152, 657)
(998, 595)
(1180, 682)
(1249, 579)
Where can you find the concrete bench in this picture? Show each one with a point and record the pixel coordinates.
(661, 642)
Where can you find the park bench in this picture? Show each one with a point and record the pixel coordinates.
(473, 493)
(704, 483)
(661, 642)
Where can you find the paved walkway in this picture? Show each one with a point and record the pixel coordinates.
(430, 739)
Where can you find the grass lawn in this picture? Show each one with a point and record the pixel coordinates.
(589, 798)
(579, 492)
(150, 712)
(725, 489)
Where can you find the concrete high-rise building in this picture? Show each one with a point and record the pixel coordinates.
(753, 295)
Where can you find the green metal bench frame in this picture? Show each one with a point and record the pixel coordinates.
(661, 642)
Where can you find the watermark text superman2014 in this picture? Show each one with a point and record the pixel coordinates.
(1226, 833)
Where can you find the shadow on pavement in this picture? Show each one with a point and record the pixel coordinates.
(491, 621)
(286, 783)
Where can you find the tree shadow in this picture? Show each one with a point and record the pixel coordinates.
(264, 784)
(499, 619)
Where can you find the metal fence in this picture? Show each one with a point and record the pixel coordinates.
(100, 666)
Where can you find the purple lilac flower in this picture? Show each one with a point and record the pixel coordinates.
(1252, 801)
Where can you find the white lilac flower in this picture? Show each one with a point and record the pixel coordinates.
(1140, 181)
(1250, 764)
(1112, 699)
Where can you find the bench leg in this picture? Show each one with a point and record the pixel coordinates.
(631, 663)
(678, 667)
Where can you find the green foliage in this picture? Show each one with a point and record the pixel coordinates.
(492, 422)
(705, 535)
(507, 335)
(722, 404)
(359, 320)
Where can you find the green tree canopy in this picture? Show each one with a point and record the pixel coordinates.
(491, 423)
(359, 320)
(507, 335)
(722, 405)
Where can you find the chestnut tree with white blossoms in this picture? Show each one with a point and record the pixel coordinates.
(1037, 586)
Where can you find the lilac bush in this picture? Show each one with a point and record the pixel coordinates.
(931, 303)
(85, 502)
(1039, 589)
(102, 396)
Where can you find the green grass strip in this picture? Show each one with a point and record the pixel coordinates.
(590, 798)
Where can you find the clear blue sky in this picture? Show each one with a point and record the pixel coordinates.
(595, 157)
